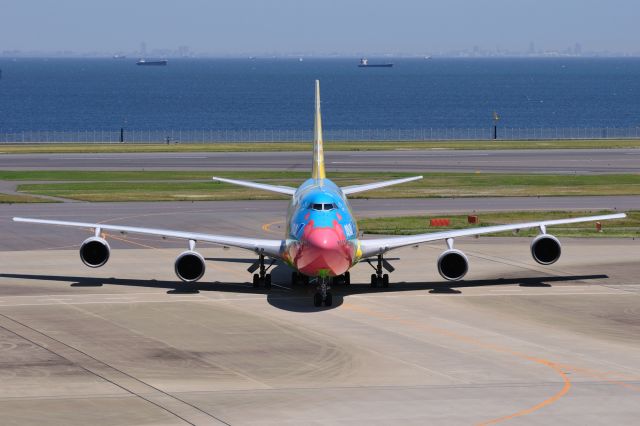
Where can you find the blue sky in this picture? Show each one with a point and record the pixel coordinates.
(225, 27)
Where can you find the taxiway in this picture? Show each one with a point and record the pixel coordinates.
(560, 161)
(513, 342)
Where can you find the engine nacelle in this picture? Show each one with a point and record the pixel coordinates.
(95, 252)
(189, 266)
(545, 249)
(453, 265)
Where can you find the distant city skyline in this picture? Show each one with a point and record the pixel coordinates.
(239, 28)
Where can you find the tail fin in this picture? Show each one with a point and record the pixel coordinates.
(318, 153)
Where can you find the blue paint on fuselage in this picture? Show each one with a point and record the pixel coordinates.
(319, 191)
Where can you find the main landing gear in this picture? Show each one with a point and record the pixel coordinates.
(323, 295)
(262, 278)
(380, 279)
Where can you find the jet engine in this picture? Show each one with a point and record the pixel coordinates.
(189, 266)
(545, 249)
(94, 252)
(453, 265)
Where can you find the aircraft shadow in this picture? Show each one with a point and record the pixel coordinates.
(298, 298)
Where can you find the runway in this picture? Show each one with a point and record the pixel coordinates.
(260, 219)
(562, 161)
(513, 343)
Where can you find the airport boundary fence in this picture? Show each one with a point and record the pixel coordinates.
(292, 135)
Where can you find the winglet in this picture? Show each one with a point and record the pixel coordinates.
(318, 152)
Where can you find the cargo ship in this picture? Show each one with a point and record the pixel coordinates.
(364, 63)
(155, 62)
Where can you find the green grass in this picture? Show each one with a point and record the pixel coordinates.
(168, 186)
(306, 146)
(11, 198)
(408, 225)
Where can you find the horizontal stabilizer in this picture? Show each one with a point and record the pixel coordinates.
(273, 188)
(369, 186)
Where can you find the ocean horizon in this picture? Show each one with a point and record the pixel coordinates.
(40, 94)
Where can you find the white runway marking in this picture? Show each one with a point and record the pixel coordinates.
(145, 158)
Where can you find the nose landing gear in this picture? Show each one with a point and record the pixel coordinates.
(323, 295)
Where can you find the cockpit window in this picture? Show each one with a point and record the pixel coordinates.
(324, 206)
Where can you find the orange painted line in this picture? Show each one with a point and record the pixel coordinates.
(267, 226)
(548, 401)
(476, 342)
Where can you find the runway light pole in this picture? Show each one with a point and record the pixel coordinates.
(122, 130)
(496, 118)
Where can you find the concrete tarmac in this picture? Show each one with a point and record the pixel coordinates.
(513, 343)
(564, 161)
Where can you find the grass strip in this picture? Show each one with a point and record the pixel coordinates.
(174, 186)
(11, 199)
(409, 225)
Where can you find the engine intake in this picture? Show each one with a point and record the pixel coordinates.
(546, 249)
(95, 252)
(190, 266)
(453, 265)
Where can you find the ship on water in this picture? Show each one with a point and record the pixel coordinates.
(364, 63)
(153, 62)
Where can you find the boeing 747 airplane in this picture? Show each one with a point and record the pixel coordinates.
(321, 243)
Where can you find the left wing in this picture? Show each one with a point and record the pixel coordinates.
(382, 245)
(369, 186)
(271, 248)
(280, 189)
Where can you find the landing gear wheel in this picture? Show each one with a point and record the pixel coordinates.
(374, 280)
(328, 301)
(256, 280)
(317, 300)
(267, 282)
(385, 281)
(347, 278)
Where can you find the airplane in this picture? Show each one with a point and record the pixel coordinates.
(321, 243)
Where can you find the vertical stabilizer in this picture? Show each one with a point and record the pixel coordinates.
(318, 153)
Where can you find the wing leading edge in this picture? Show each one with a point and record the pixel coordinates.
(353, 189)
(382, 245)
(272, 248)
(281, 189)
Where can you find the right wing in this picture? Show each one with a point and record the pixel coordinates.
(273, 188)
(378, 246)
(271, 248)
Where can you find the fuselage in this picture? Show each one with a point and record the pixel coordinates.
(322, 235)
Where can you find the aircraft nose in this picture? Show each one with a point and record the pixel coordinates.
(323, 251)
(323, 238)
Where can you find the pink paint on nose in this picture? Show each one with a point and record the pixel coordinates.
(323, 249)
(323, 238)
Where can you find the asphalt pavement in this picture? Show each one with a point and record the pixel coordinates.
(563, 161)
